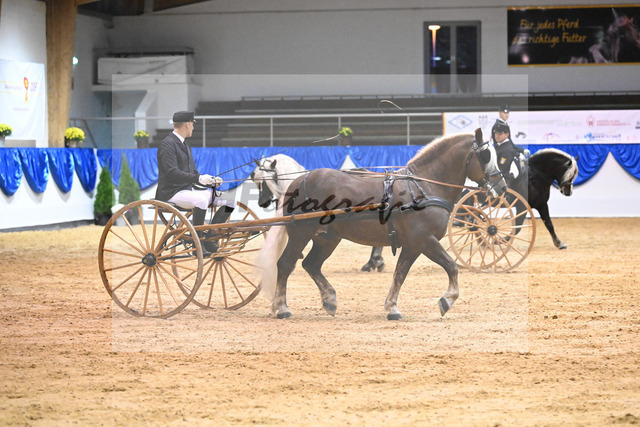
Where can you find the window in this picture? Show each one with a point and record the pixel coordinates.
(451, 59)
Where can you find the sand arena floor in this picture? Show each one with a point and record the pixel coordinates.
(555, 342)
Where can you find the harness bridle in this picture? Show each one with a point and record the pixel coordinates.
(484, 160)
(552, 181)
(264, 169)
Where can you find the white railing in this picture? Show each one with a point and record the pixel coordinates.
(122, 129)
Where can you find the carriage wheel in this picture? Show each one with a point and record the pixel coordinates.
(228, 279)
(491, 234)
(138, 260)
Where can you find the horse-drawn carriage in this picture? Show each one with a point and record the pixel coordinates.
(154, 265)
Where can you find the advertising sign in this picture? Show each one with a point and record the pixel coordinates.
(22, 98)
(555, 127)
(574, 35)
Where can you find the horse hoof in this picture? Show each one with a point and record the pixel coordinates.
(394, 316)
(562, 246)
(330, 308)
(366, 267)
(284, 315)
(380, 268)
(444, 306)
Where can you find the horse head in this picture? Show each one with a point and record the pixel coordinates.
(570, 173)
(266, 177)
(482, 166)
(553, 165)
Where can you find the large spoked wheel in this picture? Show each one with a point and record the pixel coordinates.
(491, 234)
(138, 260)
(228, 279)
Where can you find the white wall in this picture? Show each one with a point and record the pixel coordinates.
(612, 192)
(27, 208)
(23, 39)
(345, 37)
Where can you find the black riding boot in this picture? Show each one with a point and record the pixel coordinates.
(198, 219)
(222, 215)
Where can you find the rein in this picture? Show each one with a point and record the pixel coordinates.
(410, 177)
(370, 174)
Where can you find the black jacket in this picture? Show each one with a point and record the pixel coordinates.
(176, 168)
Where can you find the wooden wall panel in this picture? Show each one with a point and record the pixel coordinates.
(61, 29)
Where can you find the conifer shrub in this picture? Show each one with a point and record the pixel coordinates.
(105, 198)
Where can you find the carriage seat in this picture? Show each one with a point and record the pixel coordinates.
(178, 208)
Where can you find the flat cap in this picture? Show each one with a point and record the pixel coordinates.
(183, 116)
(504, 108)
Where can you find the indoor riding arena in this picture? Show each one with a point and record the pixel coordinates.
(140, 315)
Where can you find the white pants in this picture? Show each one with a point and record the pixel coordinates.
(189, 199)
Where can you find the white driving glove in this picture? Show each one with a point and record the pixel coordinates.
(206, 180)
(217, 181)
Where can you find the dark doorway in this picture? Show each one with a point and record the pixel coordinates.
(452, 57)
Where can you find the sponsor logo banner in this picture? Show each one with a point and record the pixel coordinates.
(22, 98)
(555, 127)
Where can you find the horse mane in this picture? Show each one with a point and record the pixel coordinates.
(570, 173)
(434, 149)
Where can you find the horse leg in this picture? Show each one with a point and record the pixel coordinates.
(375, 260)
(376, 252)
(546, 219)
(405, 261)
(436, 253)
(323, 247)
(298, 239)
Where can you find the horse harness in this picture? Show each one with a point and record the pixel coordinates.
(419, 202)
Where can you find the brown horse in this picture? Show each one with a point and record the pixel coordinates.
(418, 208)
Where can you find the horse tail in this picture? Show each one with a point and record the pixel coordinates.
(267, 262)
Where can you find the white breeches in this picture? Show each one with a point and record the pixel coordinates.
(189, 199)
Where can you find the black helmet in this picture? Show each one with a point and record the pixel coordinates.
(501, 127)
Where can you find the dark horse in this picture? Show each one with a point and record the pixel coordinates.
(418, 208)
(273, 175)
(546, 167)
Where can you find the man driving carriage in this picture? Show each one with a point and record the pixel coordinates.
(180, 183)
(511, 157)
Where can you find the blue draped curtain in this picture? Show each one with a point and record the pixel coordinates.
(144, 166)
(382, 156)
(590, 157)
(86, 167)
(235, 164)
(35, 166)
(10, 170)
(627, 157)
(62, 167)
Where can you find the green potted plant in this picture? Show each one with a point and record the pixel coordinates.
(5, 130)
(142, 139)
(128, 188)
(73, 136)
(105, 198)
(345, 135)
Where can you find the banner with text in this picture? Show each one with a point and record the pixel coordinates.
(555, 127)
(576, 35)
(22, 98)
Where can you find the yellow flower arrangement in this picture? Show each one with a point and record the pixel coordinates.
(141, 134)
(74, 134)
(5, 130)
(345, 131)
